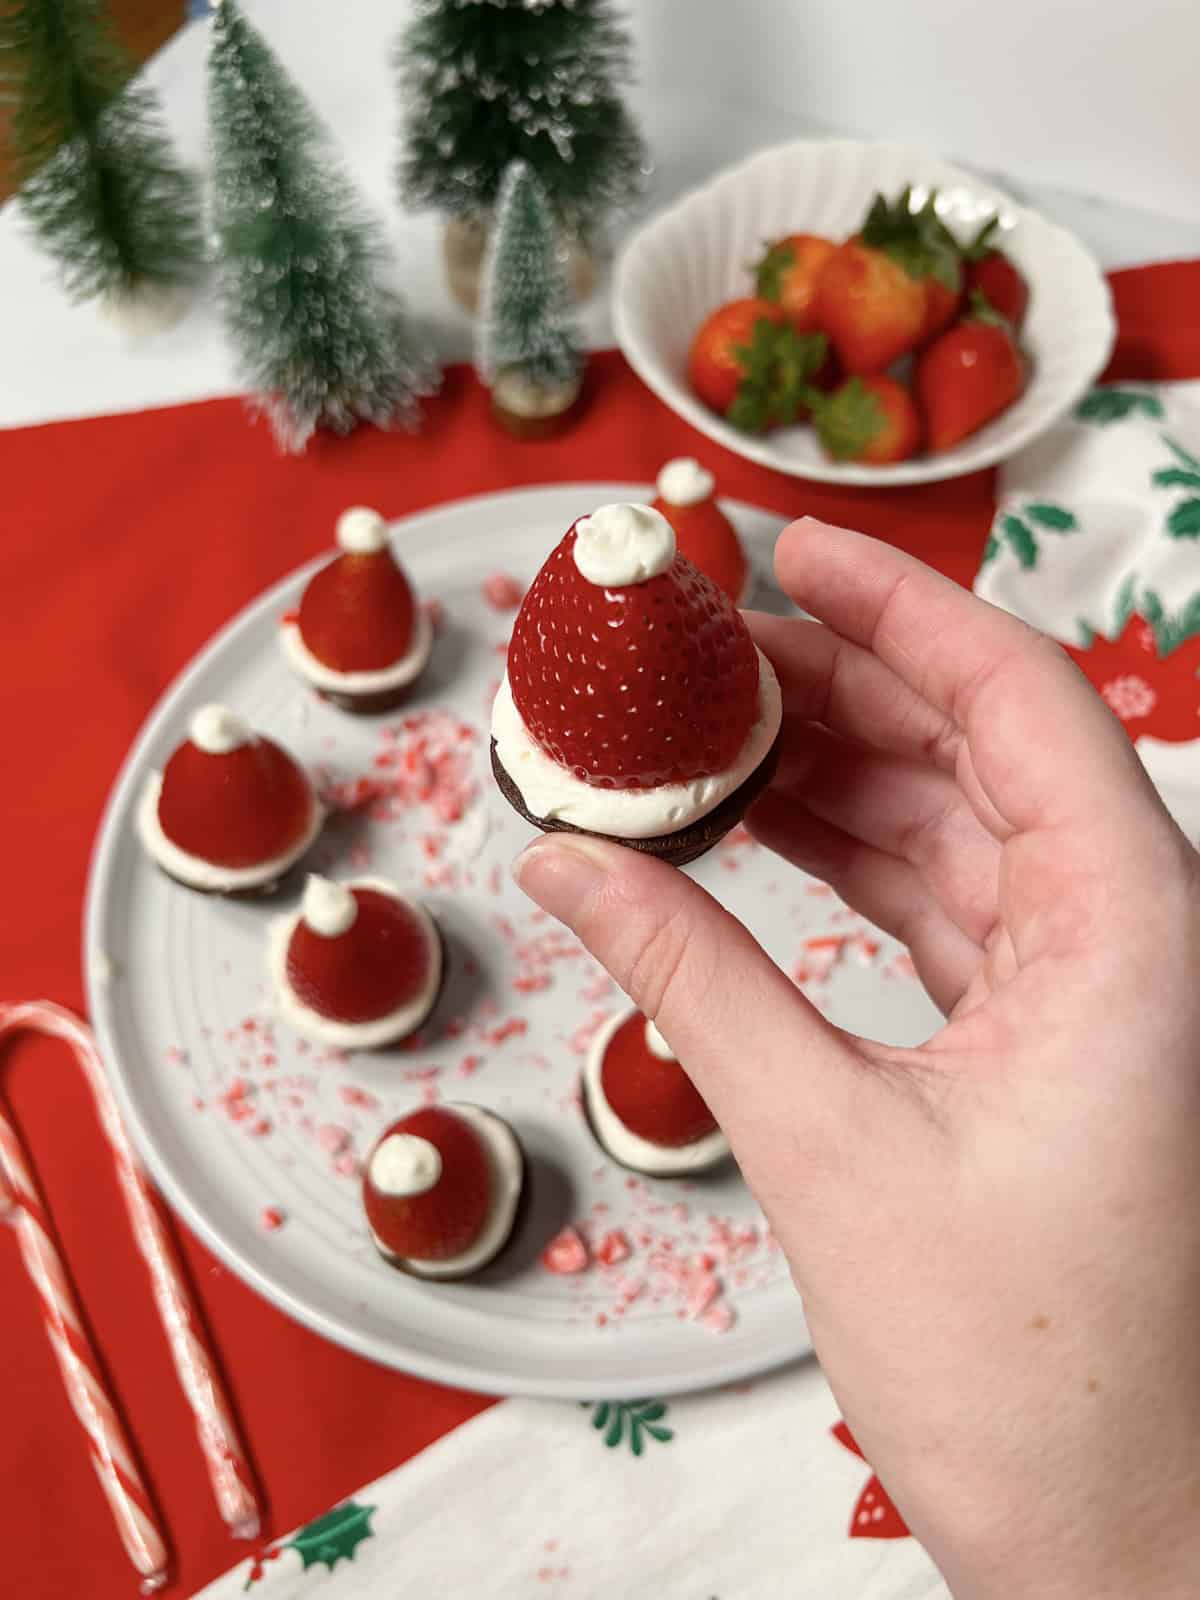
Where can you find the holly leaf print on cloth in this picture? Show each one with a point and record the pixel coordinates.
(1184, 519)
(631, 1421)
(1114, 405)
(874, 1516)
(333, 1537)
(1020, 533)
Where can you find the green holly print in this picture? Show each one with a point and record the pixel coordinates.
(1114, 405)
(1184, 519)
(1020, 532)
(630, 1420)
(331, 1538)
(1170, 629)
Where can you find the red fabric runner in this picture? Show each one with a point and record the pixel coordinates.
(128, 541)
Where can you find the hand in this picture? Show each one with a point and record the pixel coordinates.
(997, 1234)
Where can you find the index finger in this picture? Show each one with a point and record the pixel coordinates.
(1043, 745)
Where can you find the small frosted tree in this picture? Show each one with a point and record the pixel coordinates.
(487, 82)
(99, 184)
(320, 338)
(526, 326)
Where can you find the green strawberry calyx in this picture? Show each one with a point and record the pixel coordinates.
(776, 366)
(770, 272)
(919, 241)
(848, 419)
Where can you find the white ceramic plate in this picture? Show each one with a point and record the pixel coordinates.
(177, 993)
(695, 255)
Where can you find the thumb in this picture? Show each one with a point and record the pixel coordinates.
(778, 1078)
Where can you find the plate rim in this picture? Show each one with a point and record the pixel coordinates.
(928, 469)
(341, 1331)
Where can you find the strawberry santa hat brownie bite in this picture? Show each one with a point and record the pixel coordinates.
(703, 533)
(442, 1190)
(231, 811)
(643, 1109)
(359, 637)
(358, 966)
(635, 705)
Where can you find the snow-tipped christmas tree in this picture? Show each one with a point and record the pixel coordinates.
(100, 186)
(320, 338)
(527, 345)
(487, 82)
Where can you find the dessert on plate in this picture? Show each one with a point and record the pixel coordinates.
(643, 1109)
(635, 705)
(441, 1190)
(231, 811)
(703, 533)
(359, 637)
(358, 966)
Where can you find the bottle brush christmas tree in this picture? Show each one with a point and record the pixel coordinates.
(528, 345)
(487, 82)
(100, 186)
(321, 339)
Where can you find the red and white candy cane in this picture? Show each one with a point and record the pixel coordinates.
(112, 1456)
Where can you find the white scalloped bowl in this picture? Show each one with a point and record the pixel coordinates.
(689, 259)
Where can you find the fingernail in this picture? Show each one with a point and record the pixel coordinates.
(561, 874)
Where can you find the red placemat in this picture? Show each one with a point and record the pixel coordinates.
(129, 540)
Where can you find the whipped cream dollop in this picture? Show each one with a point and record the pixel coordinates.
(361, 531)
(657, 1045)
(378, 1031)
(627, 1147)
(551, 791)
(684, 482)
(404, 1164)
(217, 730)
(329, 908)
(506, 1171)
(623, 544)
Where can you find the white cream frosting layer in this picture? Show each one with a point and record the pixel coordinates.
(379, 1031)
(302, 661)
(507, 1170)
(655, 1160)
(211, 875)
(550, 791)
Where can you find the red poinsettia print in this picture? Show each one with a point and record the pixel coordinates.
(875, 1517)
(1151, 694)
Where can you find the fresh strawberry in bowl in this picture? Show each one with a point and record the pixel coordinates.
(871, 419)
(992, 273)
(748, 364)
(788, 273)
(968, 375)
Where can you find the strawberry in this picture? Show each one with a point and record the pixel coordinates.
(869, 419)
(236, 808)
(748, 365)
(788, 273)
(565, 1254)
(357, 612)
(993, 275)
(883, 292)
(653, 1098)
(705, 535)
(968, 376)
(446, 1219)
(378, 965)
(633, 687)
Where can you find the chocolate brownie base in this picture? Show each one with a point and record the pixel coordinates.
(677, 849)
(366, 705)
